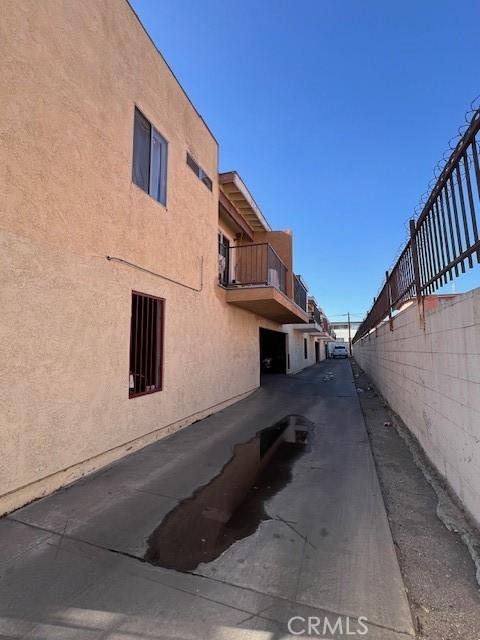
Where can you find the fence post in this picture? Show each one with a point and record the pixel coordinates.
(416, 272)
(389, 294)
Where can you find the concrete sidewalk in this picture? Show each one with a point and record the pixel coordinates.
(72, 563)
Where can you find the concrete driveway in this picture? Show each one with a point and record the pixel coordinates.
(72, 563)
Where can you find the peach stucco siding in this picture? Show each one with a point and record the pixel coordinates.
(72, 73)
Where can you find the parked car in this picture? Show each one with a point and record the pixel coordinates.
(339, 351)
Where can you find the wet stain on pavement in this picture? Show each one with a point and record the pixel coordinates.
(231, 506)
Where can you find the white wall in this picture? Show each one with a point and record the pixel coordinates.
(342, 334)
(296, 349)
(431, 378)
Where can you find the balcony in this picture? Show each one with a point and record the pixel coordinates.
(257, 265)
(257, 280)
(315, 315)
(299, 293)
(317, 324)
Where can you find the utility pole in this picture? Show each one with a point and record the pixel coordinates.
(349, 334)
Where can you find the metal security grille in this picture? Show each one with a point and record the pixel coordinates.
(146, 344)
(444, 241)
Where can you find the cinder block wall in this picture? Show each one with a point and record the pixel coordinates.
(431, 378)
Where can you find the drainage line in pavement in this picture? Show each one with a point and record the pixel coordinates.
(75, 539)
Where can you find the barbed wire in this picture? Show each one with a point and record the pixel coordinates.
(452, 145)
(439, 166)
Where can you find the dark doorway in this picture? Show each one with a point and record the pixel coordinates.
(223, 260)
(317, 352)
(273, 351)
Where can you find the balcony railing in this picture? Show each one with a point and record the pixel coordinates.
(315, 316)
(326, 326)
(254, 265)
(299, 293)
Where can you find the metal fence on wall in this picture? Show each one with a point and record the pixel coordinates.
(444, 241)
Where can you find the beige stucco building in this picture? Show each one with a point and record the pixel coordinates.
(139, 286)
(307, 342)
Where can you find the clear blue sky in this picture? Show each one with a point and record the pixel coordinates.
(334, 113)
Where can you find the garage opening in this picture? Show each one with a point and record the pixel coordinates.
(273, 351)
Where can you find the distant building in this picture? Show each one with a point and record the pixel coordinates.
(307, 342)
(341, 329)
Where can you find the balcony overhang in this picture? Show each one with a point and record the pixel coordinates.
(267, 302)
(228, 212)
(242, 199)
(313, 329)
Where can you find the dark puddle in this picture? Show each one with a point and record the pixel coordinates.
(231, 506)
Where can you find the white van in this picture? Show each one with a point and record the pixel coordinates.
(339, 351)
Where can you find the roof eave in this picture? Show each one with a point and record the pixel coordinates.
(233, 178)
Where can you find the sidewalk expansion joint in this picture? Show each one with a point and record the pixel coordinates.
(68, 536)
(378, 625)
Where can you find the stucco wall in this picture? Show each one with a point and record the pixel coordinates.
(323, 344)
(71, 75)
(296, 349)
(431, 379)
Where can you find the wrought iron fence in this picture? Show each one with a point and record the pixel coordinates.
(299, 293)
(315, 314)
(444, 241)
(256, 264)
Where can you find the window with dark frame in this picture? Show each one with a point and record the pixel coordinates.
(146, 344)
(305, 348)
(206, 181)
(149, 164)
(193, 165)
(199, 172)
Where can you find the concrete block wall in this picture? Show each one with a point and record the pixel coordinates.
(431, 378)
